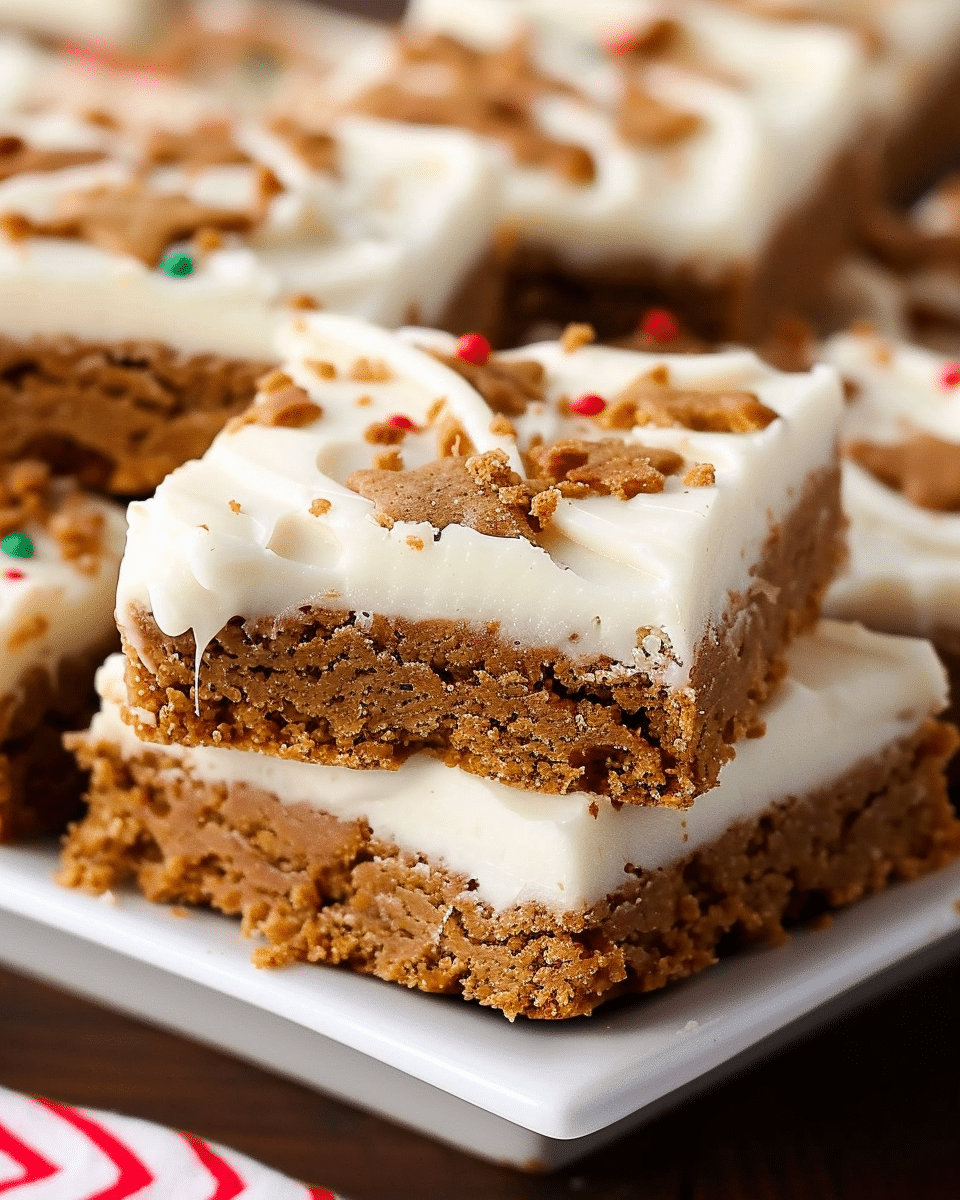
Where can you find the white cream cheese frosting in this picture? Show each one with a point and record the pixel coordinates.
(670, 561)
(849, 693)
(105, 22)
(777, 101)
(903, 572)
(910, 43)
(51, 608)
(394, 229)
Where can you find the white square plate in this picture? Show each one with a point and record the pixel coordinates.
(532, 1093)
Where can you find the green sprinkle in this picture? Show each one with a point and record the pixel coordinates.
(177, 263)
(17, 545)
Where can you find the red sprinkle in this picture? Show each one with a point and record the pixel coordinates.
(588, 406)
(951, 375)
(399, 421)
(474, 348)
(660, 324)
(621, 43)
(13, 573)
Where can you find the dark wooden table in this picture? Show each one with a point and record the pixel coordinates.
(868, 1108)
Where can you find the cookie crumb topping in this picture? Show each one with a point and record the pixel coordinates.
(507, 385)
(370, 370)
(574, 337)
(480, 491)
(289, 406)
(611, 467)
(651, 400)
(925, 469)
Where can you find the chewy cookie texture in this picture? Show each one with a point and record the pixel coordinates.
(567, 567)
(59, 554)
(540, 906)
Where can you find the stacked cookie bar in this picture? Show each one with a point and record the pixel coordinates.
(501, 674)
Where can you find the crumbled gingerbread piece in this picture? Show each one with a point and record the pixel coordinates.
(209, 144)
(24, 494)
(502, 427)
(317, 149)
(274, 381)
(130, 219)
(655, 37)
(15, 227)
(34, 627)
(453, 439)
(100, 118)
(206, 240)
(268, 186)
(290, 407)
(371, 370)
(508, 386)
(651, 400)
(644, 120)
(701, 475)
(388, 460)
(479, 492)
(326, 370)
(78, 530)
(319, 507)
(382, 433)
(925, 469)
(611, 467)
(491, 93)
(575, 336)
(414, 543)
(303, 302)
(234, 506)
(543, 505)
(18, 158)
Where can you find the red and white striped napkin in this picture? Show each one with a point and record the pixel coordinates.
(49, 1151)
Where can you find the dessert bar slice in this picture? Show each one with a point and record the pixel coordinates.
(567, 567)
(906, 279)
(710, 160)
(59, 553)
(440, 880)
(901, 489)
(912, 68)
(143, 270)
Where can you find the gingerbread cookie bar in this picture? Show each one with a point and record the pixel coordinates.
(544, 907)
(59, 554)
(912, 59)
(710, 165)
(142, 276)
(567, 567)
(905, 280)
(901, 488)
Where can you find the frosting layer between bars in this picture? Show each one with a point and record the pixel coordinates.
(850, 694)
